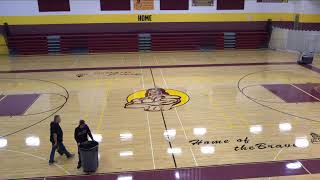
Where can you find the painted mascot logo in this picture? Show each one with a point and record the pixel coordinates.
(156, 99)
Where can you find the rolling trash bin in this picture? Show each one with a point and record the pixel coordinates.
(306, 58)
(89, 156)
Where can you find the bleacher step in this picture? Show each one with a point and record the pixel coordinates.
(229, 40)
(144, 42)
(54, 45)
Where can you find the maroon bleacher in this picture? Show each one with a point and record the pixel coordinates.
(128, 42)
(184, 40)
(28, 45)
(100, 42)
(251, 40)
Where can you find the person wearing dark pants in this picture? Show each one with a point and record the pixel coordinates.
(56, 138)
(81, 134)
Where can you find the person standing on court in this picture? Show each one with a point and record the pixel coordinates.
(56, 138)
(81, 134)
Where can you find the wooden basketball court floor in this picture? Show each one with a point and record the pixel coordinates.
(218, 108)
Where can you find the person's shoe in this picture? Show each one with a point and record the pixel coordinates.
(70, 156)
(79, 166)
(52, 162)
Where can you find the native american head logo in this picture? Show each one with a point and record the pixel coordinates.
(315, 138)
(156, 99)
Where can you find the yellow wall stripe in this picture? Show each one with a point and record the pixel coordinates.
(133, 18)
(311, 18)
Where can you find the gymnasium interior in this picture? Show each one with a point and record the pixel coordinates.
(170, 89)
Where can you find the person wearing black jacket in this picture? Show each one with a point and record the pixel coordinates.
(56, 138)
(81, 134)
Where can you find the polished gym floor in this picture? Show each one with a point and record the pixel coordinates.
(178, 115)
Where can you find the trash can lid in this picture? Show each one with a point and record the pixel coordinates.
(308, 54)
(88, 145)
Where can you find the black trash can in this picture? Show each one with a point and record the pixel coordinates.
(89, 156)
(306, 58)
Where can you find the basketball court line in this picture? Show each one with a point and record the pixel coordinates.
(2, 97)
(148, 120)
(275, 158)
(147, 67)
(317, 71)
(143, 87)
(185, 135)
(38, 157)
(43, 119)
(305, 168)
(164, 123)
(169, 140)
(89, 107)
(231, 126)
(10, 107)
(277, 155)
(301, 161)
(183, 129)
(305, 92)
(314, 98)
(34, 100)
(150, 139)
(135, 53)
(241, 89)
(104, 107)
